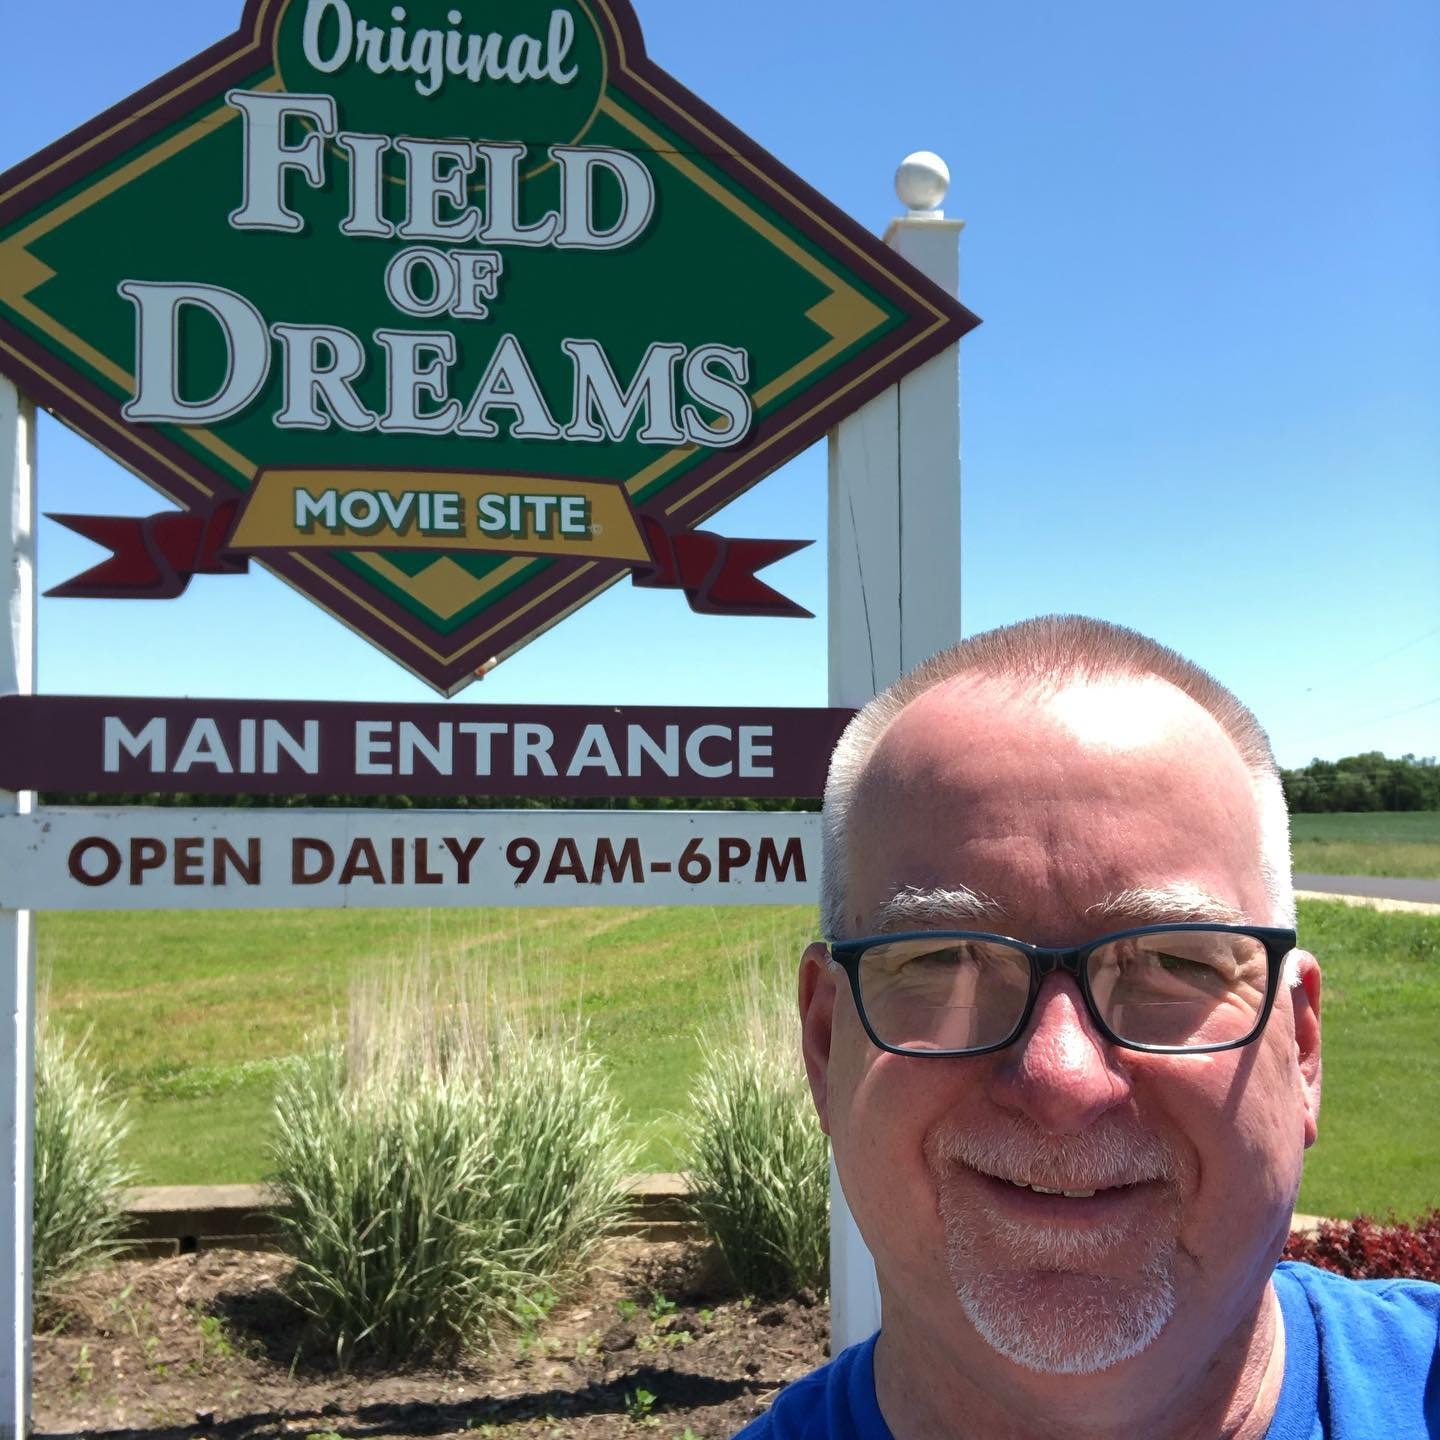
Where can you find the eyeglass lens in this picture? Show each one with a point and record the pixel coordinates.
(1173, 988)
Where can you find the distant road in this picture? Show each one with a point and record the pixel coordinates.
(1382, 887)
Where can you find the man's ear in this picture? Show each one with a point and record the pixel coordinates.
(817, 1015)
(1305, 1006)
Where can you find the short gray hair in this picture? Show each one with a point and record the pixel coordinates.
(1050, 653)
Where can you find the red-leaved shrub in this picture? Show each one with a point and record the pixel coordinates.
(1364, 1249)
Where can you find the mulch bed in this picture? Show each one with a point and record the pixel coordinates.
(654, 1344)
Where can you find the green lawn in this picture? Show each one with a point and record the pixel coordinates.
(1379, 1142)
(194, 1013)
(1382, 842)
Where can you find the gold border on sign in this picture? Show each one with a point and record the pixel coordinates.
(453, 655)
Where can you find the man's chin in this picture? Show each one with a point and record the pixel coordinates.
(1060, 1281)
(1061, 1298)
(1065, 1322)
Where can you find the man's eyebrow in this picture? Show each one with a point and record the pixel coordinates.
(1181, 903)
(914, 908)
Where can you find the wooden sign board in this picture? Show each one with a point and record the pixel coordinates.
(449, 322)
(124, 746)
(139, 858)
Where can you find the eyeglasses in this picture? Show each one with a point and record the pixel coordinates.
(1167, 989)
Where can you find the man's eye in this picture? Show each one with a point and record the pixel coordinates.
(1183, 965)
(918, 962)
(936, 959)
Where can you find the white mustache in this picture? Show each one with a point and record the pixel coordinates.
(1100, 1158)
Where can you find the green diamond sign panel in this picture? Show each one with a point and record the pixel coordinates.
(451, 315)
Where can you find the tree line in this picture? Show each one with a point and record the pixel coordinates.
(191, 800)
(1364, 782)
(1357, 782)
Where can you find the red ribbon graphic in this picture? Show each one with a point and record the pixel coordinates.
(154, 556)
(716, 573)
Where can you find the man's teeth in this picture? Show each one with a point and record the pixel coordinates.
(1046, 1190)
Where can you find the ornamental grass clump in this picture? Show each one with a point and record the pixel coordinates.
(80, 1177)
(759, 1168)
(442, 1169)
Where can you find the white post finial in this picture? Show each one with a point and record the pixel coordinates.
(921, 183)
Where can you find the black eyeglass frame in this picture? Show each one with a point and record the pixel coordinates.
(1072, 960)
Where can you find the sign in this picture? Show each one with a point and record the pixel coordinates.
(114, 746)
(450, 315)
(159, 859)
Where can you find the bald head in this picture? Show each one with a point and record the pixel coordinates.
(1056, 706)
(1034, 799)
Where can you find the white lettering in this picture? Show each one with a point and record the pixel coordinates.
(434, 55)
(320, 363)
(642, 745)
(372, 746)
(305, 752)
(310, 39)
(533, 742)
(477, 279)
(756, 747)
(158, 308)
(410, 380)
(400, 281)
(427, 187)
(268, 159)
(502, 201)
(483, 732)
(509, 384)
(696, 761)
(596, 385)
(323, 508)
(579, 168)
(439, 755)
(561, 37)
(726, 396)
(367, 185)
(594, 751)
(203, 746)
(151, 739)
(360, 510)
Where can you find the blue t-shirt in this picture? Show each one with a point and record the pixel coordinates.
(1362, 1362)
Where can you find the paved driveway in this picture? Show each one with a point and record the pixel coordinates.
(1380, 887)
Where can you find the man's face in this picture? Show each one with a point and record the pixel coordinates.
(1079, 812)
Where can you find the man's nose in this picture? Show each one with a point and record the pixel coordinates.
(1061, 1073)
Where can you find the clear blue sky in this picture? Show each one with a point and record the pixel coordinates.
(1205, 401)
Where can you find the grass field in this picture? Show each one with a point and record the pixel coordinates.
(1379, 1145)
(196, 1013)
(1385, 842)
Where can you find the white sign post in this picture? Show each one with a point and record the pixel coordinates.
(17, 938)
(894, 562)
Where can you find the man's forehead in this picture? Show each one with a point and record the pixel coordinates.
(979, 727)
(1064, 796)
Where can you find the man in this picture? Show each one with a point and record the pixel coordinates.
(1069, 1060)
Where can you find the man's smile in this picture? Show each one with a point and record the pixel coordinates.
(1065, 1201)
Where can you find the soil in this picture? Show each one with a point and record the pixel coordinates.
(653, 1344)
